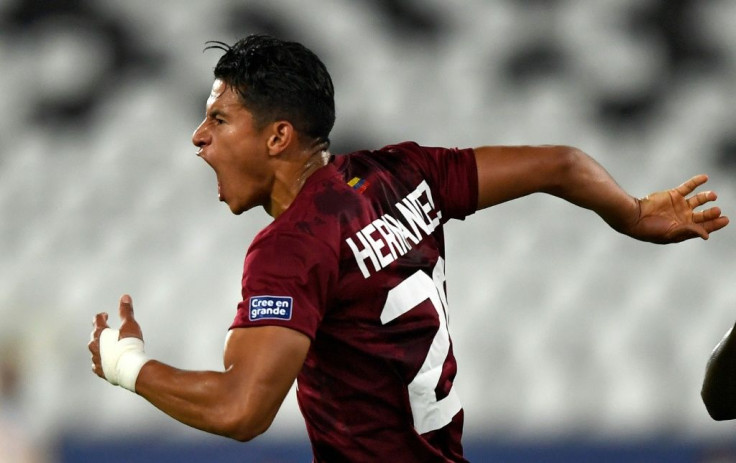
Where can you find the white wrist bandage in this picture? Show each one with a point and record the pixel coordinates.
(122, 359)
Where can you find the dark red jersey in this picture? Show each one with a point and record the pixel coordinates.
(357, 264)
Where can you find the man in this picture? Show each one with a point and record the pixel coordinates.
(719, 384)
(345, 290)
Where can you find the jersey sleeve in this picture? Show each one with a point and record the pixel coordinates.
(453, 177)
(286, 281)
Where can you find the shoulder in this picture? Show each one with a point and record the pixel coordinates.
(284, 253)
(429, 161)
(312, 224)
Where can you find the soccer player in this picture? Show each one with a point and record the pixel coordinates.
(344, 291)
(719, 384)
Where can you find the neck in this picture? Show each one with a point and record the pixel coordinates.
(294, 176)
(316, 161)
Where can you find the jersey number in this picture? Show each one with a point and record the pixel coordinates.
(428, 412)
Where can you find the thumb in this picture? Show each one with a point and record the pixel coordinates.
(129, 327)
(126, 308)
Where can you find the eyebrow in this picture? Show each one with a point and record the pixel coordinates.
(224, 110)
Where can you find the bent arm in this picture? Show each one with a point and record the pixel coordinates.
(669, 216)
(240, 402)
(719, 385)
(509, 172)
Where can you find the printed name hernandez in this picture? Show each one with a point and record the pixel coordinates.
(388, 238)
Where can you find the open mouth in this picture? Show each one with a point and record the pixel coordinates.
(217, 177)
(219, 183)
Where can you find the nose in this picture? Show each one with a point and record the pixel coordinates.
(199, 137)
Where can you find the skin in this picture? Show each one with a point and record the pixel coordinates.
(255, 166)
(719, 382)
(267, 166)
(669, 216)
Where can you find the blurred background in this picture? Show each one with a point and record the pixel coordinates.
(574, 343)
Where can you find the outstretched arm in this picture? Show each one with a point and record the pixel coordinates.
(719, 385)
(240, 402)
(509, 172)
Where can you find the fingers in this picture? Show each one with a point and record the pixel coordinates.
(715, 223)
(698, 199)
(689, 186)
(701, 198)
(129, 327)
(97, 369)
(100, 321)
(706, 215)
(710, 219)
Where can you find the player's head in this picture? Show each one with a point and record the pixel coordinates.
(280, 80)
(271, 107)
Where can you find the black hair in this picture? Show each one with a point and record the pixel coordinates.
(279, 80)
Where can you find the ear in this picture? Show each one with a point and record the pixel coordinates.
(281, 136)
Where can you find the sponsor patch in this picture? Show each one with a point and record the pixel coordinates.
(269, 308)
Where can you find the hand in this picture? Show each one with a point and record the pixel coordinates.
(128, 328)
(669, 216)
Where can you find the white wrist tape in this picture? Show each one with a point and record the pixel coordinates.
(122, 359)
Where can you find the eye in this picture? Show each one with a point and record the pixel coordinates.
(216, 117)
